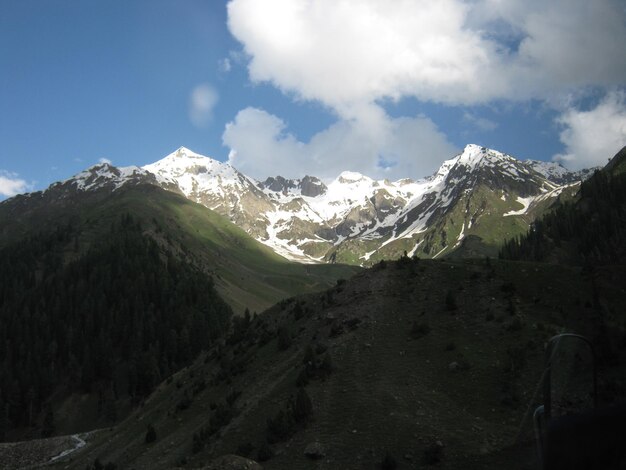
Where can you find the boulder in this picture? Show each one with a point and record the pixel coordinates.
(315, 451)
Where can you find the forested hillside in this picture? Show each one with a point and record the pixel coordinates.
(590, 230)
(112, 320)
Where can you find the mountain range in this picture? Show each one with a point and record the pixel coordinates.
(473, 203)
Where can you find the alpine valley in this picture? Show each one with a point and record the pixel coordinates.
(129, 338)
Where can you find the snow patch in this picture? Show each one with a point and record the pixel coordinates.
(525, 202)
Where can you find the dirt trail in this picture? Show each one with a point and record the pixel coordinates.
(39, 452)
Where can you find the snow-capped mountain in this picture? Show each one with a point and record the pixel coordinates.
(356, 219)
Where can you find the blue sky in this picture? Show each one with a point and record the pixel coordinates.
(296, 87)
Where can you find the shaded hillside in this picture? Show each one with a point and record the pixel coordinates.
(246, 273)
(590, 230)
(415, 362)
(109, 322)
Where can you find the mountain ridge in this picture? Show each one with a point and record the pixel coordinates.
(354, 218)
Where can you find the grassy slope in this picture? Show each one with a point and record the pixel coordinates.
(388, 391)
(489, 225)
(204, 237)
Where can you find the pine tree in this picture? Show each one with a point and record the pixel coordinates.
(302, 407)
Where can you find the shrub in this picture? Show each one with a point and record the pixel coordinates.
(388, 462)
(432, 454)
(298, 312)
(264, 453)
(303, 377)
(515, 325)
(419, 329)
(221, 417)
(151, 434)
(451, 305)
(335, 330)
(284, 339)
(280, 427)
(302, 407)
(183, 403)
(197, 443)
(246, 449)
(507, 287)
(326, 367)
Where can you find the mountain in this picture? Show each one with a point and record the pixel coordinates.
(481, 194)
(91, 199)
(471, 205)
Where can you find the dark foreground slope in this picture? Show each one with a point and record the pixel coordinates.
(417, 362)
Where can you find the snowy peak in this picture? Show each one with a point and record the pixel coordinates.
(196, 174)
(474, 156)
(184, 161)
(349, 177)
(105, 175)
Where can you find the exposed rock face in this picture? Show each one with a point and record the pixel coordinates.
(311, 186)
(278, 184)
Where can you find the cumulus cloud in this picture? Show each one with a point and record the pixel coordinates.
(343, 52)
(378, 146)
(590, 137)
(202, 100)
(354, 55)
(11, 184)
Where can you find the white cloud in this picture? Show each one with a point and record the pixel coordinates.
(11, 184)
(347, 52)
(224, 65)
(377, 146)
(104, 160)
(353, 55)
(591, 137)
(202, 100)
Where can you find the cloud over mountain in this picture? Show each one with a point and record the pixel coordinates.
(354, 55)
(379, 146)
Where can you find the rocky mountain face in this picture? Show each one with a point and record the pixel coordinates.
(481, 195)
